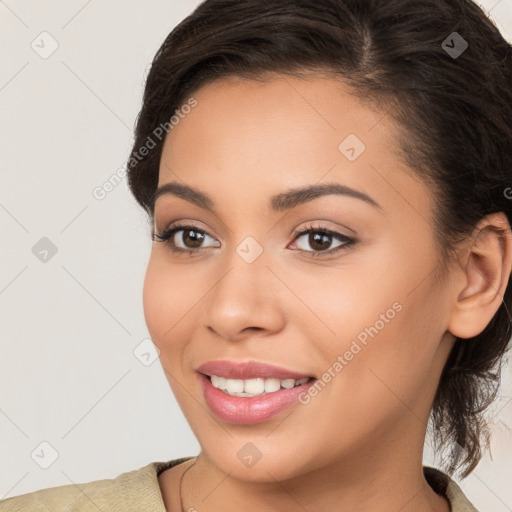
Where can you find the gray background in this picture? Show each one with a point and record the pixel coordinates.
(74, 366)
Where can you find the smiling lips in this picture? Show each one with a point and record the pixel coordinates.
(250, 392)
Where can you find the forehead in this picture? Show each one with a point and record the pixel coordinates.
(282, 119)
(304, 106)
(246, 137)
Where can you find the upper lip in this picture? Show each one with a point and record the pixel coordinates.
(248, 370)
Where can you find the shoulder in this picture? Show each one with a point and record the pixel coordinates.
(444, 485)
(133, 490)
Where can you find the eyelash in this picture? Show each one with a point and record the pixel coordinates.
(167, 235)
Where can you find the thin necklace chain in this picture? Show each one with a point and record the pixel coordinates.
(181, 483)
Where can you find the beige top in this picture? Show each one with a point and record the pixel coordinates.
(138, 491)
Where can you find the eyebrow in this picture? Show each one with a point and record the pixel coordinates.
(278, 203)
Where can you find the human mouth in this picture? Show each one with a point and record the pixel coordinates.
(250, 392)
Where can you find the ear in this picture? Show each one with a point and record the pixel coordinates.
(485, 271)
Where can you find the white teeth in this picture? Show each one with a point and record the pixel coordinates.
(253, 387)
(272, 385)
(235, 385)
(288, 383)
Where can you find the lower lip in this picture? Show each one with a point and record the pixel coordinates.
(249, 410)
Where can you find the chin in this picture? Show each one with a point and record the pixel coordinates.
(258, 462)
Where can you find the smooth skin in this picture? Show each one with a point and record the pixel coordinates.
(358, 444)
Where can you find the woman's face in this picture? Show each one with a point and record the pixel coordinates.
(368, 320)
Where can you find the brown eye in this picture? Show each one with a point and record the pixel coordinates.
(320, 238)
(191, 238)
(319, 241)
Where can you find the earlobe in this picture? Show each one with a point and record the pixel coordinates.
(486, 272)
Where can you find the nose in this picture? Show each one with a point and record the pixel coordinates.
(244, 302)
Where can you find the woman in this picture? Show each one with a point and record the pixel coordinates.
(327, 187)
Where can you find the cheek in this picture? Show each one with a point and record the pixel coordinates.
(387, 366)
(386, 334)
(153, 299)
(164, 302)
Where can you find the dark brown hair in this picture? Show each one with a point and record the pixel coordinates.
(454, 112)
